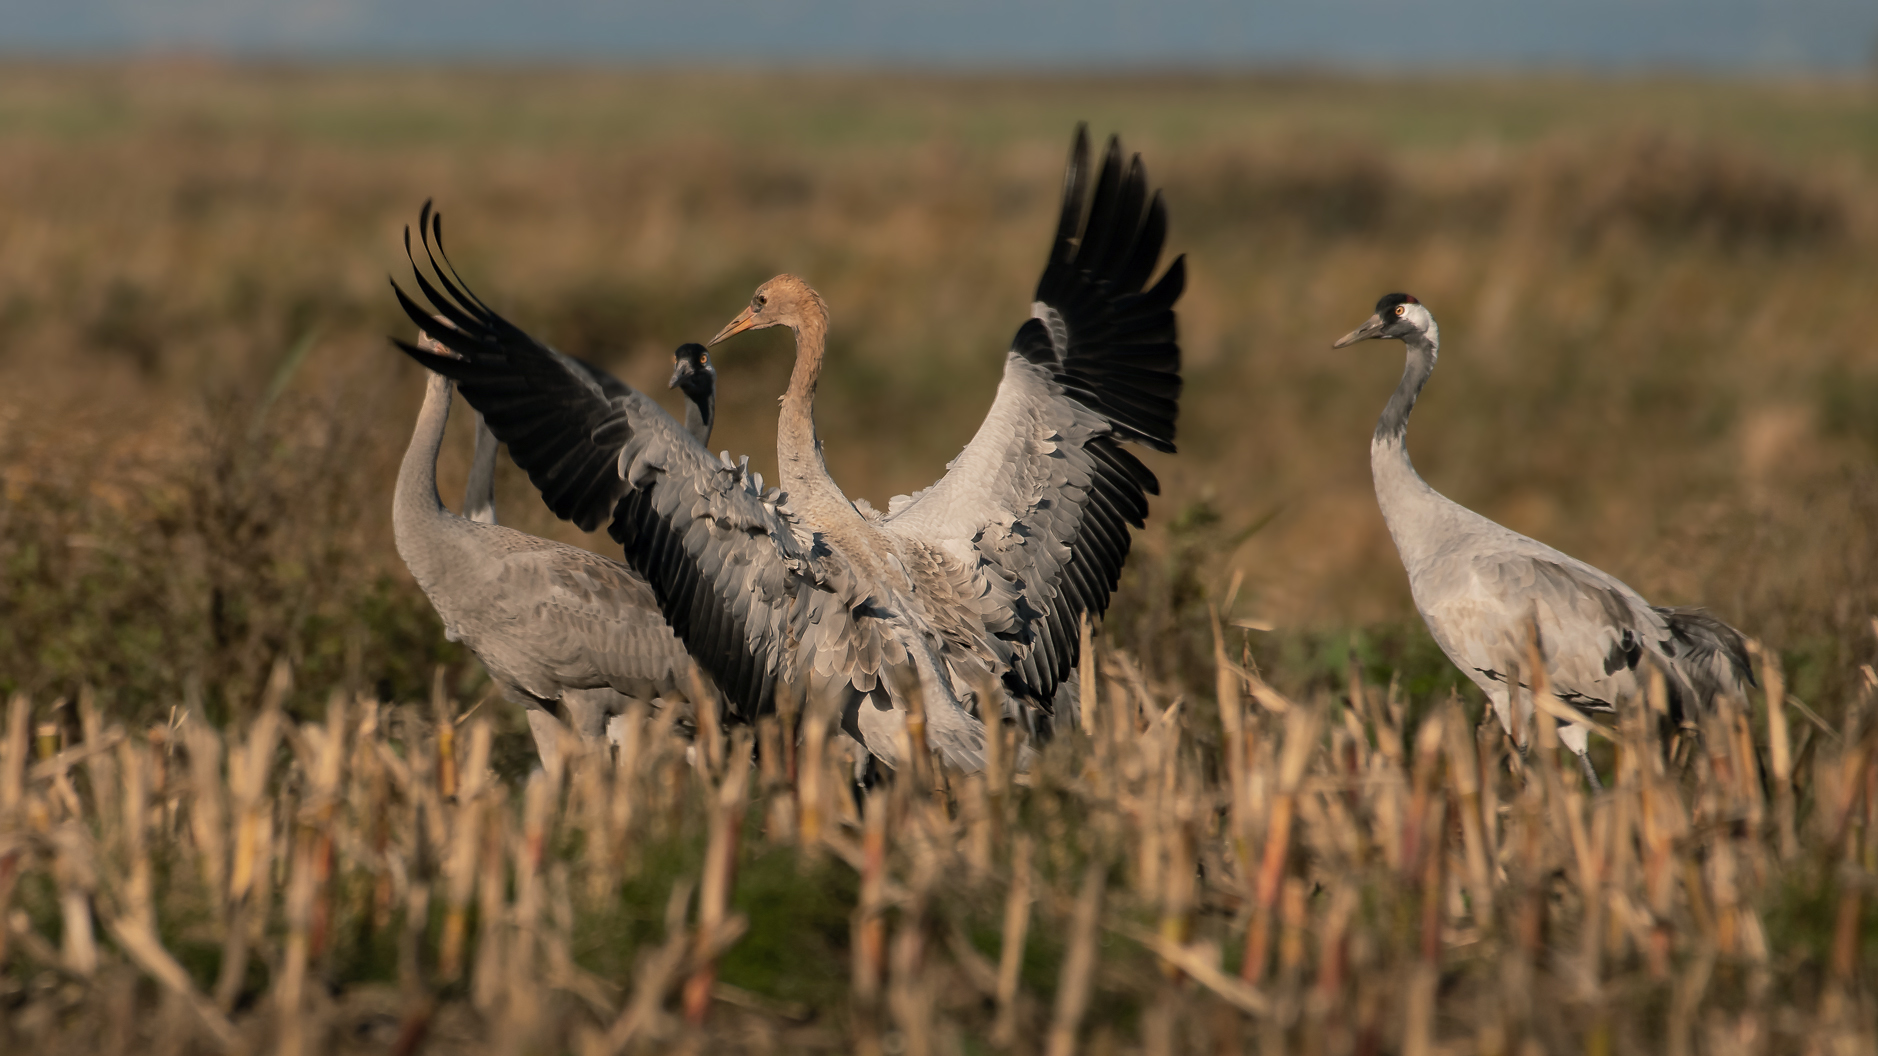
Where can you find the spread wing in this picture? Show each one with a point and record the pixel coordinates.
(1045, 493)
(718, 554)
(479, 493)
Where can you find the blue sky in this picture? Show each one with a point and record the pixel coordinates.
(1713, 35)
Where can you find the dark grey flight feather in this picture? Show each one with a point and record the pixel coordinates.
(1714, 655)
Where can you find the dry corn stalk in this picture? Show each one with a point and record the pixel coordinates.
(870, 930)
(460, 864)
(1011, 949)
(1072, 991)
(1301, 730)
(720, 873)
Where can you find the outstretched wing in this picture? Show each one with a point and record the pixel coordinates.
(1044, 495)
(609, 385)
(479, 492)
(718, 554)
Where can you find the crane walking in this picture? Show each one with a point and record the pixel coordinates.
(1481, 587)
(981, 578)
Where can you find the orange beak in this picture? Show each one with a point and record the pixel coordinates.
(744, 321)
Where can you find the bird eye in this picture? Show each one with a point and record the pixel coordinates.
(757, 302)
(704, 360)
(1401, 309)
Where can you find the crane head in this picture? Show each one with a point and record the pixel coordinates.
(785, 300)
(1397, 315)
(692, 370)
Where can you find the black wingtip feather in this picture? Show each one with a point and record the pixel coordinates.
(1075, 178)
(1122, 336)
(531, 398)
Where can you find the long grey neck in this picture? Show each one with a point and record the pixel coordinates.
(479, 496)
(1407, 502)
(417, 513)
(700, 414)
(1392, 427)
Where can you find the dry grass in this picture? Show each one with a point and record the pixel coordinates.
(1332, 876)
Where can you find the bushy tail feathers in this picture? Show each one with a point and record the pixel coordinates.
(1712, 657)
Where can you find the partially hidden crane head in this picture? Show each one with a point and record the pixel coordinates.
(1398, 316)
(692, 372)
(782, 301)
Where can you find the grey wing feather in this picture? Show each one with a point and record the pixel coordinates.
(1042, 499)
(1617, 635)
(608, 385)
(1591, 628)
(545, 617)
(1597, 635)
(1713, 656)
(593, 613)
(720, 555)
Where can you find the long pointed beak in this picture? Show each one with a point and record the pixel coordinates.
(744, 321)
(680, 371)
(1370, 328)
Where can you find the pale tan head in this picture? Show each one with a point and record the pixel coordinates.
(782, 301)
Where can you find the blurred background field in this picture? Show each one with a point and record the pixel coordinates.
(1656, 296)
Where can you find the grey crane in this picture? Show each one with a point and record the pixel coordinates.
(1480, 586)
(568, 634)
(978, 581)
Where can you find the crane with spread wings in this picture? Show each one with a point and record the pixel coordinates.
(977, 582)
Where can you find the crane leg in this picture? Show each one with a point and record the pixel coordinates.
(548, 731)
(1591, 772)
(1578, 739)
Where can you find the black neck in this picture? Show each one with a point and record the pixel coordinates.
(1393, 425)
(700, 411)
